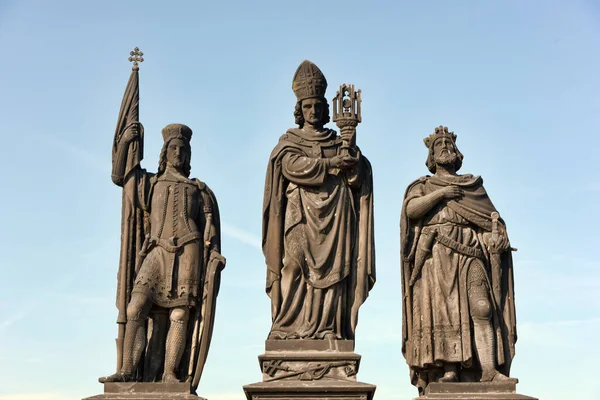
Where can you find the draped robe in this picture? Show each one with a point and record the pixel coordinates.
(436, 317)
(317, 238)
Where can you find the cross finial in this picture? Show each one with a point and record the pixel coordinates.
(136, 56)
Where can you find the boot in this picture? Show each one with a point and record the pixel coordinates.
(485, 348)
(135, 341)
(450, 373)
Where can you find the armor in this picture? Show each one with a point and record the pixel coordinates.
(170, 271)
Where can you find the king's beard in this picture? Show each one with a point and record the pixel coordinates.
(446, 158)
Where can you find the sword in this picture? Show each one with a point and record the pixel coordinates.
(496, 260)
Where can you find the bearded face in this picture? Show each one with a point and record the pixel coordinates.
(444, 152)
(177, 153)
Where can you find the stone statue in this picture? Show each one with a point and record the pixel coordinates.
(319, 249)
(170, 264)
(317, 222)
(457, 279)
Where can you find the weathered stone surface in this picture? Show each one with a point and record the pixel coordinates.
(309, 344)
(308, 359)
(473, 391)
(309, 365)
(317, 390)
(319, 249)
(146, 391)
(170, 262)
(458, 308)
(318, 232)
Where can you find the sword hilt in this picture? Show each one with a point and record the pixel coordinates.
(495, 217)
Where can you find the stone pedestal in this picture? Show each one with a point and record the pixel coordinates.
(315, 390)
(146, 391)
(309, 370)
(473, 391)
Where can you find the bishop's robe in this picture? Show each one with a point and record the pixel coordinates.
(317, 237)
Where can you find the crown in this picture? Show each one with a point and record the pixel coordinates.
(309, 81)
(440, 131)
(176, 131)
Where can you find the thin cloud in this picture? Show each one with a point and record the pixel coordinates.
(11, 320)
(241, 235)
(23, 313)
(57, 288)
(568, 334)
(91, 160)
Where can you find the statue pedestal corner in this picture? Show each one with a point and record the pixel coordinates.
(309, 370)
(473, 391)
(146, 391)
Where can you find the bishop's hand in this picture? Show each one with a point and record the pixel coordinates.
(348, 136)
(343, 162)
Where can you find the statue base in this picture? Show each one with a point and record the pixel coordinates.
(473, 391)
(307, 360)
(304, 369)
(146, 391)
(315, 390)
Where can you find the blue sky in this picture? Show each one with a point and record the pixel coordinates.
(518, 82)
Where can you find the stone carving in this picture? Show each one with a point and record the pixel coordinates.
(457, 278)
(307, 371)
(318, 218)
(319, 249)
(170, 263)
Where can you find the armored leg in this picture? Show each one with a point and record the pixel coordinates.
(175, 342)
(481, 314)
(135, 339)
(158, 325)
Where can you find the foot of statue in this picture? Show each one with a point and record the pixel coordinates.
(450, 373)
(449, 376)
(494, 375)
(116, 377)
(170, 377)
(275, 335)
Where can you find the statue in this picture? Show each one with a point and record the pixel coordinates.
(170, 264)
(319, 248)
(318, 219)
(457, 279)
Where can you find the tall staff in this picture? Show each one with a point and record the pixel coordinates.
(131, 217)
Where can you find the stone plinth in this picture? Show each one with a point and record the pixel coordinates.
(309, 370)
(308, 360)
(473, 391)
(146, 391)
(309, 390)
